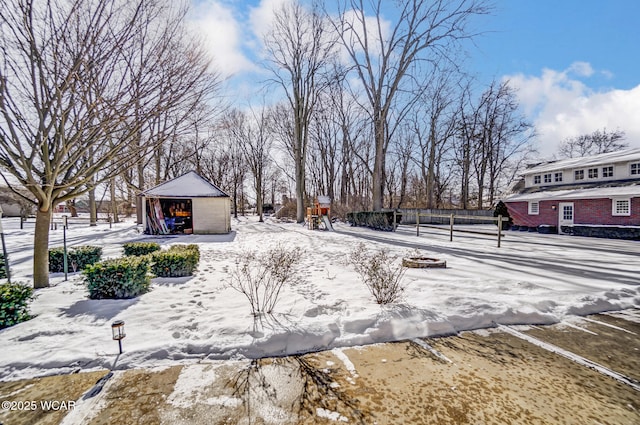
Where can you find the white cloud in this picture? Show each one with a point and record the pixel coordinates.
(261, 17)
(561, 105)
(223, 34)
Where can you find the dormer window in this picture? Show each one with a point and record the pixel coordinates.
(635, 169)
(593, 173)
(537, 179)
(547, 178)
(558, 177)
(578, 175)
(607, 171)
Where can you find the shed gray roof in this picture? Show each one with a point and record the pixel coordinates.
(189, 185)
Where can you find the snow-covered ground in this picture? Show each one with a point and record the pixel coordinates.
(531, 279)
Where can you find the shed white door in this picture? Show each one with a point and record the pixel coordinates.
(565, 215)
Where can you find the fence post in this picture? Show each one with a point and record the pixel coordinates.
(418, 222)
(451, 228)
(499, 229)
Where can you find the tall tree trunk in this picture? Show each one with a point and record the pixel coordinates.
(93, 211)
(41, 247)
(114, 203)
(378, 167)
(300, 191)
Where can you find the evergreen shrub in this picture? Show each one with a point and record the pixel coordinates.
(119, 278)
(140, 248)
(501, 209)
(78, 257)
(3, 271)
(378, 220)
(177, 261)
(14, 298)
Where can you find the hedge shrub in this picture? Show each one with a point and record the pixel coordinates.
(140, 248)
(379, 220)
(177, 261)
(13, 304)
(125, 277)
(78, 257)
(3, 271)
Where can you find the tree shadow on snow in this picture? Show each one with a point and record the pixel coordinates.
(99, 309)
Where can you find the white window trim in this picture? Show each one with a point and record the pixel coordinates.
(614, 209)
(536, 210)
(613, 170)
(637, 168)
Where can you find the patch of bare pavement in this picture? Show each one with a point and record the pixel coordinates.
(580, 371)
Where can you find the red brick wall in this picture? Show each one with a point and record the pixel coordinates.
(586, 211)
(598, 211)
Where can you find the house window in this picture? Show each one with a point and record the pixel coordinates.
(593, 173)
(607, 171)
(558, 177)
(578, 175)
(635, 169)
(534, 208)
(537, 180)
(547, 178)
(621, 207)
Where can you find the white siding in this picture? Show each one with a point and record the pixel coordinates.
(211, 215)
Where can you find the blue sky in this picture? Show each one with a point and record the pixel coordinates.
(525, 36)
(574, 63)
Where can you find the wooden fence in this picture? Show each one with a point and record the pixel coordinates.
(430, 218)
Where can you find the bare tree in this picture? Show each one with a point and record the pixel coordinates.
(70, 114)
(600, 141)
(299, 49)
(494, 132)
(250, 131)
(388, 59)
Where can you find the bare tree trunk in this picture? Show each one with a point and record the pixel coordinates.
(93, 211)
(41, 247)
(114, 202)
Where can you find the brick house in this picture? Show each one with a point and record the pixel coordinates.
(590, 196)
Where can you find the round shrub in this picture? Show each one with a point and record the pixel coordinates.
(140, 248)
(125, 277)
(14, 298)
(177, 261)
(78, 257)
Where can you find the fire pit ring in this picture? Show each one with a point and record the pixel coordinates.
(423, 263)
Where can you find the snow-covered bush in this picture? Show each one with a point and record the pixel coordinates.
(13, 303)
(125, 277)
(380, 272)
(77, 258)
(140, 248)
(177, 261)
(261, 276)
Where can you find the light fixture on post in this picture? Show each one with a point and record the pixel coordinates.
(117, 328)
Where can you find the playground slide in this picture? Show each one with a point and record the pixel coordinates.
(327, 223)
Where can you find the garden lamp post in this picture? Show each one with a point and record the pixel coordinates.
(117, 328)
(4, 250)
(64, 239)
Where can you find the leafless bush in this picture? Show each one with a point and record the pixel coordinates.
(380, 272)
(261, 277)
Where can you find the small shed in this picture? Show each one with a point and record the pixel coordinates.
(187, 204)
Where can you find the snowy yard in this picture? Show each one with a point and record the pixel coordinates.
(531, 279)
